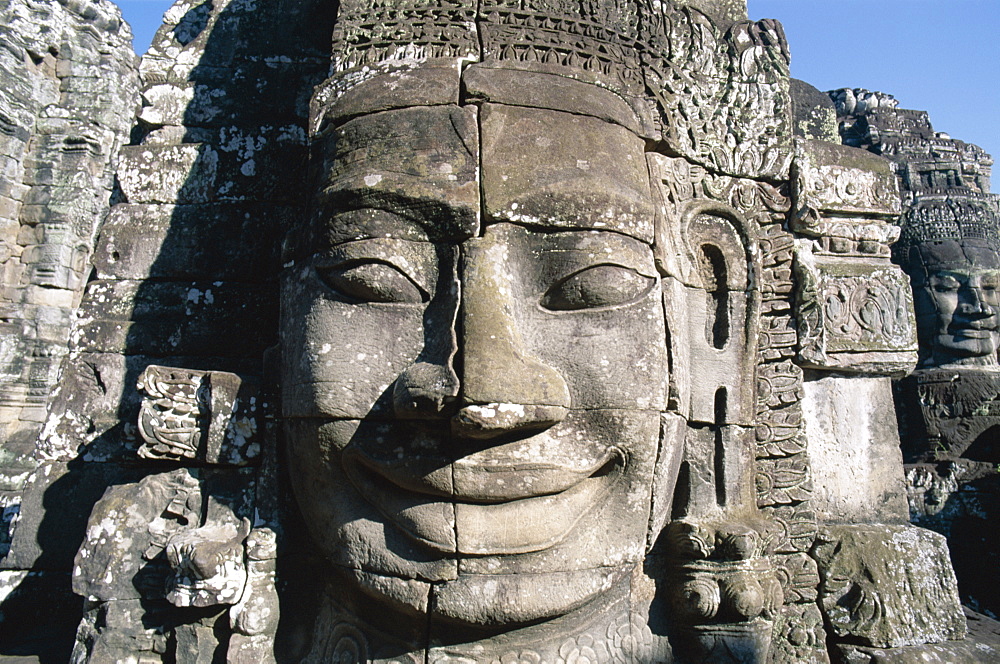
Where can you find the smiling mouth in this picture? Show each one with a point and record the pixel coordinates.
(495, 508)
(976, 329)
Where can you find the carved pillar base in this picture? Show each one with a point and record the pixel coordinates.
(747, 643)
(724, 592)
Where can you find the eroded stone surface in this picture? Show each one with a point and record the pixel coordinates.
(888, 586)
(570, 338)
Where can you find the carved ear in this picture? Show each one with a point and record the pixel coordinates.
(722, 305)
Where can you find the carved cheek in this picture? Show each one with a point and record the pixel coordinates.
(339, 358)
(943, 306)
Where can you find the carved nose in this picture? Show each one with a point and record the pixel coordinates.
(424, 391)
(974, 305)
(504, 387)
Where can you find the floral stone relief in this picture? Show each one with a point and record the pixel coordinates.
(425, 331)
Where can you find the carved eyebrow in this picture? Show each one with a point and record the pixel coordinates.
(627, 259)
(435, 219)
(337, 198)
(415, 259)
(612, 248)
(358, 218)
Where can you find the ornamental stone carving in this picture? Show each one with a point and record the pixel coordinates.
(855, 306)
(210, 416)
(496, 331)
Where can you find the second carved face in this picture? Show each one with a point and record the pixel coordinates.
(957, 300)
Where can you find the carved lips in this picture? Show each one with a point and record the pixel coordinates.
(981, 328)
(502, 500)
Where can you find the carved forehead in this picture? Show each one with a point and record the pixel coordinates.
(967, 254)
(560, 170)
(410, 173)
(436, 169)
(445, 82)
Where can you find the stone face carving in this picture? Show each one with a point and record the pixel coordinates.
(950, 226)
(955, 286)
(577, 345)
(485, 338)
(478, 452)
(481, 283)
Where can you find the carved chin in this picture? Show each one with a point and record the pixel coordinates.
(498, 600)
(493, 600)
(524, 524)
(971, 343)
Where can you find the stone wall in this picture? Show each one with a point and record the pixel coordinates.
(67, 103)
(179, 272)
(947, 411)
(68, 99)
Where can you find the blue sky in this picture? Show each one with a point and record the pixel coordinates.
(941, 56)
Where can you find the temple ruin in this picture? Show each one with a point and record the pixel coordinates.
(504, 331)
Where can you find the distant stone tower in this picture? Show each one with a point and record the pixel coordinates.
(949, 409)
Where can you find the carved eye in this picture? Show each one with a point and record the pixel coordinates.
(947, 285)
(372, 281)
(597, 286)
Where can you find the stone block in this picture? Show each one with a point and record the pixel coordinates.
(854, 316)
(783, 481)
(95, 408)
(168, 173)
(96, 391)
(406, 159)
(266, 164)
(951, 652)
(198, 100)
(814, 113)
(170, 318)
(195, 242)
(887, 586)
(854, 452)
(516, 87)
(55, 506)
(207, 416)
(839, 180)
(124, 630)
(950, 413)
(799, 637)
(796, 527)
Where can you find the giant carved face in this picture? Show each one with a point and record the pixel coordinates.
(475, 359)
(957, 301)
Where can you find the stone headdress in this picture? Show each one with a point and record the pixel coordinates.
(956, 217)
(710, 85)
